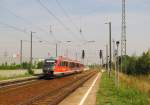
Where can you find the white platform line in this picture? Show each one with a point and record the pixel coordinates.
(88, 91)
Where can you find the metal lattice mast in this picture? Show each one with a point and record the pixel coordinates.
(123, 34)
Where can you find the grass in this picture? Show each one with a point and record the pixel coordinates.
(109, 94)
(15, 77)
(142, 83)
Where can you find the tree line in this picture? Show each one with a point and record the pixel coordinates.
(24, 65)
(137, 65)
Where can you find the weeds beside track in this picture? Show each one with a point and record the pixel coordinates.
(109, 94)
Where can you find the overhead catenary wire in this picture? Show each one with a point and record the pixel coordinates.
(25, 32)
(66, 14)
(18, 29)
(22, 18)
(25, 20)
(51, 33)
(14, 27)
(58, 20)
(70, 19)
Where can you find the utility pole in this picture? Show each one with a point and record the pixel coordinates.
(110, 46)
(50, 29)
(56, 49)
(107, 57)
(21, 53)
(117, 43)
(109, 23)
(113, 50)
(31, 51)
(51, 33)
(102, 59)
(115, 61)
(76, 55)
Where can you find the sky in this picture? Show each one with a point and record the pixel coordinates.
(66, 17)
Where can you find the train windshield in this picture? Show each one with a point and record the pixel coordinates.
(49, 63)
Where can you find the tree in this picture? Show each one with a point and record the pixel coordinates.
(143, 64)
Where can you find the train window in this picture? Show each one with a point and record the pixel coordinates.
(74, 65)
(77, 65)
(66, 63)
(62, 63)
(49, 62)
(59, 63)
(71, 64)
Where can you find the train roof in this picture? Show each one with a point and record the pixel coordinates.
(68, 59)
(51, 58)
(63, 58)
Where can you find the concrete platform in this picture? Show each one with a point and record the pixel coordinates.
(84, 95)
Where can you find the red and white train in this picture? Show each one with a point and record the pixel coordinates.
(61, 66)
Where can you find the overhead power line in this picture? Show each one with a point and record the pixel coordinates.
(20, 17)
(52, 14)
(70, 19)
(18, 29)
(24, 20)
(14, 27)
(51, 33)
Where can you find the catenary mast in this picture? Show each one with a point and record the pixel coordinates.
(123, 35)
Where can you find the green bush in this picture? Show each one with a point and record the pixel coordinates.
(31, 72)
(25, 65)
(143, 63)
(39, 65)
(10, 66)
(137, 65)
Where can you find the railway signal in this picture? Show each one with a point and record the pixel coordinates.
(83, 54)
(101, 56)
(117, 43)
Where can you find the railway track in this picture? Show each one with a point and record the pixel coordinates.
(44, 92)
(9, 83)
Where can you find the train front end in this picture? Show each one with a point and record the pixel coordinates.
(48, 67)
